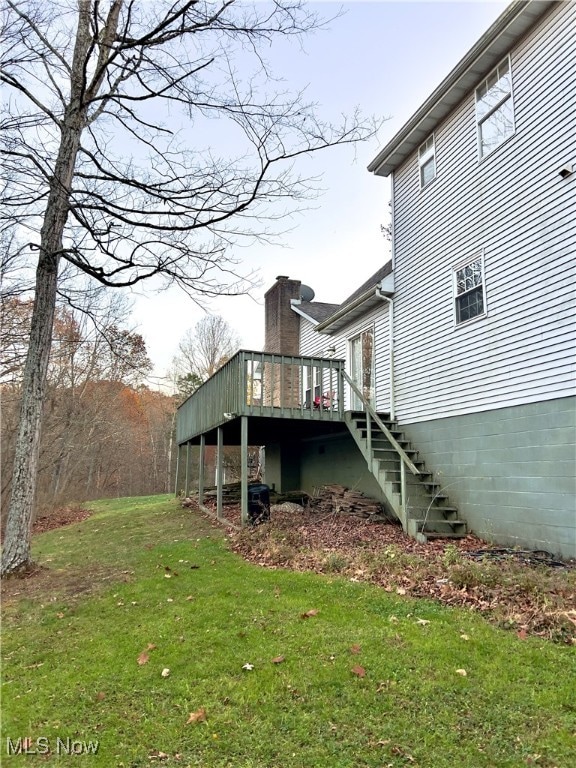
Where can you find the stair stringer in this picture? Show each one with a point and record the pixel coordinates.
(384, 479)
(426, 510)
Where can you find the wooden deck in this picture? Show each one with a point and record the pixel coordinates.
(266, 386)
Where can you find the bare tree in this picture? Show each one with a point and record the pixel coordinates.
(103, 98)
(95, 374)
(205, 348)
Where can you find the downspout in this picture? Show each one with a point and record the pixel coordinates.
(390, 350)
(391, 307)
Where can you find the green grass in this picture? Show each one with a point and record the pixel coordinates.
(72, 635)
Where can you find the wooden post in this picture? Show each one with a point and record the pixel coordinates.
(219, 473)
(187, 472)
(403, 494)
(201, 471)
(177, 470)
(244, 469)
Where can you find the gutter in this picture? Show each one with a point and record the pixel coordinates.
(348, 308)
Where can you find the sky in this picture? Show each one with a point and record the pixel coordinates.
(385, 58)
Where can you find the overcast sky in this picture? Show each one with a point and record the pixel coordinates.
(386, 58)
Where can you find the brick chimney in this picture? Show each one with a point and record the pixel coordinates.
(282, 325)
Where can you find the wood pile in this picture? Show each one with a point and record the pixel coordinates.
(231, 495)
(337, 499)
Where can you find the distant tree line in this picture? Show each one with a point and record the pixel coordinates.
(105, 432)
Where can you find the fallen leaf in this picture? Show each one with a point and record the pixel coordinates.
(464, 637)
(100, 696)
(197, 717)
(359, 671)
(400, 591)
(60, 615)
(402, 753)
(461, 672)
(423, 622)
(278, 660)
(355, 648)
(522, 634)
(165, 672)
(248, 667)
(308, 614)
(144, 657)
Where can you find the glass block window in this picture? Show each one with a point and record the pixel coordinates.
(494, 109)
(427, 162)
(469, 290)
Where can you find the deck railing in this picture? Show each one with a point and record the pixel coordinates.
(264, 384)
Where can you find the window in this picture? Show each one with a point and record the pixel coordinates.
(427, 162)
(362, 367)
(494, 109)
(469, 290)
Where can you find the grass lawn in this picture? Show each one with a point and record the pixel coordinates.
(145, 633)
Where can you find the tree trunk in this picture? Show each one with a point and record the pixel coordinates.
(16, 551)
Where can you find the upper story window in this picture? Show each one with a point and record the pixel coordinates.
(427, 162)
(494, 108)
(469, 290)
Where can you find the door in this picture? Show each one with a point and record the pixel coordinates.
(362, 367)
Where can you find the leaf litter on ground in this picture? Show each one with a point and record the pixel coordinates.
(529, 595)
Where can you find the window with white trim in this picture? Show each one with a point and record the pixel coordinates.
(495, 109)
(469, 290)
(427, 161)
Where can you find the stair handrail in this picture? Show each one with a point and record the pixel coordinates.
(390, 437)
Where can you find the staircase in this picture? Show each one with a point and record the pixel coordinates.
(410, 490)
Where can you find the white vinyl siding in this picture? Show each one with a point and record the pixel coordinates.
(519, 211)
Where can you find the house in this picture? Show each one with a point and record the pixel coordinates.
(450, 372)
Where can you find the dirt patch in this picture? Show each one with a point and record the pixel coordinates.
(49, 585)
(60, 517)
(530, 593)
(39, 581)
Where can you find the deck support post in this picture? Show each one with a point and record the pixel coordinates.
(177, 470)
(187, 472)
(201, 469)
(219, 473)
(244, 469)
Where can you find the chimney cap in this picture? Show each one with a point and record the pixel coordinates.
(282, 277)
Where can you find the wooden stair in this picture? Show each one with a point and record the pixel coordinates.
(426, 511)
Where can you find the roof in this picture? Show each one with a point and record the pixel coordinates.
(368, 295)
(316, 311)
(490, 49)
(371, 283)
